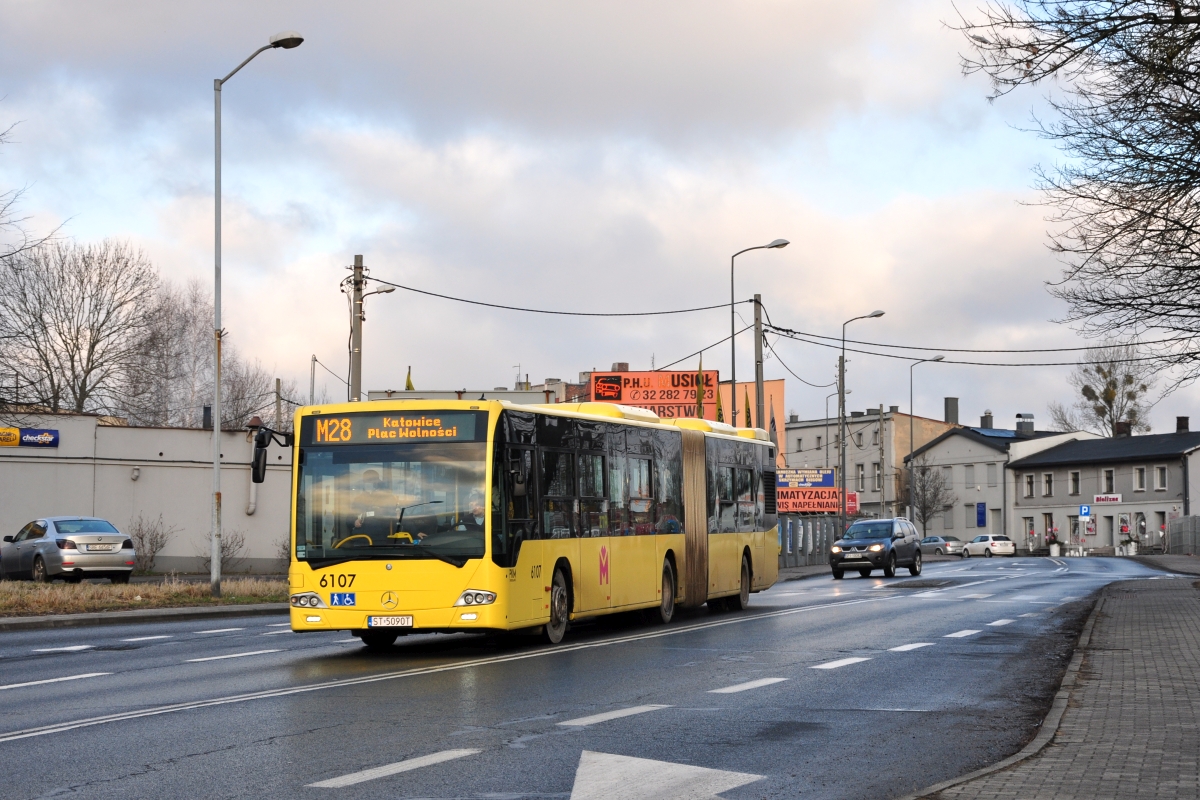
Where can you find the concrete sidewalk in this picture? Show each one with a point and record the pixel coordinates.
(1127, 721)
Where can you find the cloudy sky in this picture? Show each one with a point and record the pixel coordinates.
(576, 156)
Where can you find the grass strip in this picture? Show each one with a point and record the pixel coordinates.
(25, 598)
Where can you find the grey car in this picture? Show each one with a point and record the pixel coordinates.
(70, 548)
(942, 546)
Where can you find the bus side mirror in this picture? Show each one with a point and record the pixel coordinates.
(258, 468)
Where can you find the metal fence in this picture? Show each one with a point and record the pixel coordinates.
(804, 541)
(1183, 536)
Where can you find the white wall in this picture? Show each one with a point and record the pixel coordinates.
(91, 474)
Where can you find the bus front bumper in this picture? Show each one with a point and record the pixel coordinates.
(434, 620)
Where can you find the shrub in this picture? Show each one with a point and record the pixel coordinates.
(149, 537)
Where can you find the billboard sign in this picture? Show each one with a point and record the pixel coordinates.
(28, 437)
(805, 478)
(851, 503)
(806, 491)
(671, 395)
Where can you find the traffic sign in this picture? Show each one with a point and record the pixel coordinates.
(1085, 511)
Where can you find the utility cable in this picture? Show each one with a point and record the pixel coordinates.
(698, 352)
(789, 369)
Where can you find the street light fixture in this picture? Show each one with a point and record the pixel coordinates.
(842, 416)
(912, 486)
(285, 41)
(778, 244)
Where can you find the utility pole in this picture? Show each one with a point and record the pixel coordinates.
(278, 407)
(842, 442)
(759, 414)
(312, 381)
(882, 468)
(356, 323)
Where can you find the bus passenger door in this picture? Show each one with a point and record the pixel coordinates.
(521, 542)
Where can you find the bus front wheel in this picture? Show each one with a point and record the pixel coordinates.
(741, 600)
(378, 640)
(666, 608)
(560, 609)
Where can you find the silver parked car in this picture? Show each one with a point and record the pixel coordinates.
(70, 548)
(942, 546)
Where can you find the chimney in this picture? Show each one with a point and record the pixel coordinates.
(207, 423)
(1181, 424)
(1025, 424)
(985, 421)
(1121, 430)
(620, 366)
(952, 410)
(793, 417)
(893, 409)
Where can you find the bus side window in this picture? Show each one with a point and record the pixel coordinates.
(727, 515)
(618, 497)
(641, 495)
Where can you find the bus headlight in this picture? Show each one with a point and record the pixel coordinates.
(308, 600)
(475, 597)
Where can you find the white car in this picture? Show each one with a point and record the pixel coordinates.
(988, 546)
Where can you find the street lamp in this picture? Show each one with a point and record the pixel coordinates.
(842, 416)
(286, 41)
(834, 394)
(775, 245)
(912, 486)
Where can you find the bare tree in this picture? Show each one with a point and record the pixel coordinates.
(932, 493)
(1112, 387)
(149, 537)
(1126, 99)
(72, 320)
(15, 237)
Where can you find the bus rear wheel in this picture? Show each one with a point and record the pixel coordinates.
(560, 609)
(666, 608)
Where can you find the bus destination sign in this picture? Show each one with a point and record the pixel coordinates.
(394, 427)
(671, 395)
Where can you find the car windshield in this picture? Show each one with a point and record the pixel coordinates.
(869, 530)
(84, 526)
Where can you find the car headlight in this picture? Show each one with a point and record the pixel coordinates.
(835, 549)
(308, 600)
(475, 597)
(875, 548)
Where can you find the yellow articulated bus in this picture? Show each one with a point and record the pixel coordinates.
(453, 516)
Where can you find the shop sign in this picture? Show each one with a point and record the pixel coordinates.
(670, 395)
(28, 437)
(1106, 498)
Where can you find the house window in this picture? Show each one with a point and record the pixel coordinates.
(991, 474)
(1139, 479)
(1029, 486)
(878, 476)
(970, 515)
(858, 438)
(875, 437)
(1160, 479)
(1109, 481)
(862, 477)
(1074, 486)
(948, 518)
(948, 477)
(818, 442)
(1047, 484)
(799, 445)
(969, 476)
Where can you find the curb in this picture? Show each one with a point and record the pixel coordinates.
(1049, 727)
(141, 615)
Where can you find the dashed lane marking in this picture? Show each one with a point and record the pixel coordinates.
(232, 655)
(582, 722)
(973, 596)
(55, 680)
(279, 624)
(841, 662)
(147, 638)
(742, 687)
(391, 769)
(904, 648)
(74, 648)
(960, 634)
(272, 633)
(1000, 622)
(1031, 614)
(223, 630)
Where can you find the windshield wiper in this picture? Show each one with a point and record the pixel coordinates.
(457, 561)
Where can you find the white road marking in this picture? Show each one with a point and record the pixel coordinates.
(279, 624)
(347, 641)
(601, 776)
(232, 655)
(555, 651)
(74, 648)
(55, 680)
(1024, 597)
(741, 687)
(391, 769)
(1031, 614)
(960, 634)
(147, 638)
(1000, 622)
(272, 633)
(973, 596)
(607, 715)
(223, 630)
(904, 648)
(841, 662)
(1067, 599)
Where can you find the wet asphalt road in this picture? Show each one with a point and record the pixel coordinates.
(862, 688)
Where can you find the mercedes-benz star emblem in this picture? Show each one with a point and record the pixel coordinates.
(390, 600)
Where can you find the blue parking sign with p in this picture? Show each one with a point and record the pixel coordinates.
(1085, 511)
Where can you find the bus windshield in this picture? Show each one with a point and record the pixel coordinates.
(391, 501)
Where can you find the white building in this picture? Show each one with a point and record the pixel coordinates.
(118, 473)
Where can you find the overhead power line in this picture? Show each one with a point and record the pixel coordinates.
(701, 350)
(549, 311)
(789, 369)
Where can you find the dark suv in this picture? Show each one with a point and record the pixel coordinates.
(877, 544)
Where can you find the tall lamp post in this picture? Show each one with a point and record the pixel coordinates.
(286, 40)
(827, 397)
(912, 485)
(775, 245)
(842, 417)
